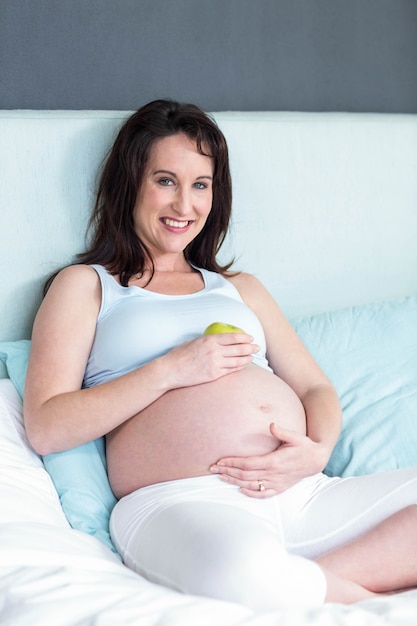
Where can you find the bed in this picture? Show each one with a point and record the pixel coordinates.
(325, 214)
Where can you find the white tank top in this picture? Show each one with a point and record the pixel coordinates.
(135, 325)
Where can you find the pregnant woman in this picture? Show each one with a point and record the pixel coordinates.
(215, 443)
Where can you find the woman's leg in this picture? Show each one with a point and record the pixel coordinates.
(362, 529)
(384, 558)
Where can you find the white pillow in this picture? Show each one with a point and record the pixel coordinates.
(27, 493)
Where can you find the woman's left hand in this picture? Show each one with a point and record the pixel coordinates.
(269, 474)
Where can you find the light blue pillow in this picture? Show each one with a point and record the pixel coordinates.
(80, 474)
(15, 356)
(80, 478)
(369, 352)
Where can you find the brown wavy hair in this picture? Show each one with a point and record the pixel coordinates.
(114, 242)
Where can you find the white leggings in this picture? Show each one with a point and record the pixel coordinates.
(202, 536)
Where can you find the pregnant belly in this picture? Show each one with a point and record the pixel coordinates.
(188, 429)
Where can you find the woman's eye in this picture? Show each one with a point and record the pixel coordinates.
(200, 185)
(165, 181)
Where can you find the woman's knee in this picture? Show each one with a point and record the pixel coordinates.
(228, 554)
(255, 570)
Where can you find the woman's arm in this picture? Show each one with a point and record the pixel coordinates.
(59, 414)
(297, 456)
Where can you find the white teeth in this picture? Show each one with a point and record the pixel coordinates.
(174, 223)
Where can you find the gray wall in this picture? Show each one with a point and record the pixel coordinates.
(317, 55)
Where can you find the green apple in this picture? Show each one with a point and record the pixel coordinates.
(217, 328)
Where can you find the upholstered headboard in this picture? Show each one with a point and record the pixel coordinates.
(325, 205)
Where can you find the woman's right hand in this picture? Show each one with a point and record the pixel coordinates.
(210, 357)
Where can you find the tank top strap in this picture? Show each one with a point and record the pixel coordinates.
(110, 289)
(215, 282)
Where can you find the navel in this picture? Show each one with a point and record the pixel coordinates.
(265, 408)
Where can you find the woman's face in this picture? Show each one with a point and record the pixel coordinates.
(175, 197)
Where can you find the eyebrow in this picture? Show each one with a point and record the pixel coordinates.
(173, 174)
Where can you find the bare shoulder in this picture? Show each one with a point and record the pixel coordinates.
(82, 280)
(82, 275)
(76, 289)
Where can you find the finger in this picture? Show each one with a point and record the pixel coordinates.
(240, 349)
(237, 476)
(253, 484)
(273, 485)
(236, 362)
(232, 338)
(284, 435)
(267, 493)
(245, 472)
(247, 486)
(235, 344)
(246, 463)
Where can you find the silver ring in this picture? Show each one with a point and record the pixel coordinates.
(261, 485)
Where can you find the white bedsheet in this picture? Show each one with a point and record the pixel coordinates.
(53, 576)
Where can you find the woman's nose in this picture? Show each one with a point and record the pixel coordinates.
(183, 204)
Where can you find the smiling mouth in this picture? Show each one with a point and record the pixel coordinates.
(176, 223)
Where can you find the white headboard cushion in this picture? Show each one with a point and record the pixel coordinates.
(325, 205)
